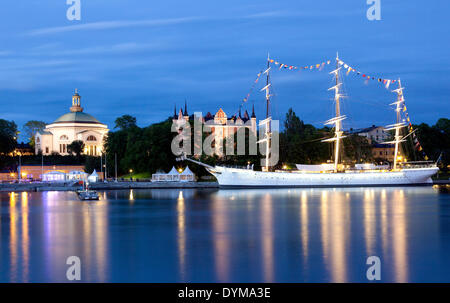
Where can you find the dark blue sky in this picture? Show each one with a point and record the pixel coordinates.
(141, 57)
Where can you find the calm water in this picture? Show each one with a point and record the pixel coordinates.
(280, 235)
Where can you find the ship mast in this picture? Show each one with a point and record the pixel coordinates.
(266, 122)
(337, 120)
(399, 124)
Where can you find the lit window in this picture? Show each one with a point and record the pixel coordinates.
(91, 138)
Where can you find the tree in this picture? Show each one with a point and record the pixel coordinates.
(31, 128)
(8, 136)
(357, 148)
(76, 147)
(125, 122)
(300, 142)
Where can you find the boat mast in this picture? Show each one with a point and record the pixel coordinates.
(337, 120)
(398, 124)
(267, 87)
(266, 122)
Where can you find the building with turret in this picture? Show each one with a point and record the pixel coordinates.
(72, 126)
(220, 124)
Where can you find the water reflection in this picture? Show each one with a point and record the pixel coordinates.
(13, 236)
(369, 220)
(181, 224)
(335, 224)
(267, 237)
(399, 236)
(304, 225)
(289, 235)
(25, 237)
(61, 228)
(384, 226)
(221, 239)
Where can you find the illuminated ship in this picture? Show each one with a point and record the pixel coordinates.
(327, 175)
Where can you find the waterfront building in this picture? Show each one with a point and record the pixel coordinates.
(374, 134)
(220, 124)
(35, 171)
(72, 126)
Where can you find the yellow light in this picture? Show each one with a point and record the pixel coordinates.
(285, 167)
(131, 171)
(180, 170)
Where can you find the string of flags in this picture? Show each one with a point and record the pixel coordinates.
(252, 87)
(318, 66)
(350, 69)
(417, 145)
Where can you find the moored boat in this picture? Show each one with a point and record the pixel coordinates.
(328, 175)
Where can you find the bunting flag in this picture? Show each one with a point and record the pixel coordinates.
(385, 82)
(348, 68)
(318, 66)
(252, 87)
(416, 142)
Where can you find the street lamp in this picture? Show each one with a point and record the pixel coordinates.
(131, 174)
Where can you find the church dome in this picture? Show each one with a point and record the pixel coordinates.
(76, 114)
(79, 117)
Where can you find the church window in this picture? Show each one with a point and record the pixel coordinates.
(91, 138)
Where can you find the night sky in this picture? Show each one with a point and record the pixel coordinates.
(143, 57)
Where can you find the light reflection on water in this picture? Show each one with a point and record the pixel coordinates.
(274, 235)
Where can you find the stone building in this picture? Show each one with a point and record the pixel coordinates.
(74, 125)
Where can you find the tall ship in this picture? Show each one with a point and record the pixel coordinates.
(331, 174)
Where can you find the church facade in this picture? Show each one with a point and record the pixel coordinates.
(72, 126)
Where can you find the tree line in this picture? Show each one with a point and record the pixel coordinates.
(148, 149)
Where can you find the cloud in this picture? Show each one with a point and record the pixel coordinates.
(120, 48)
(103, 25)
(111, 25)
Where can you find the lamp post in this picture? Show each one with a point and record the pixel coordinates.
(115, 166)
(131, 174)
(19, 171)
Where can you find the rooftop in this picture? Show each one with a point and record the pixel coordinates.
(78, 117)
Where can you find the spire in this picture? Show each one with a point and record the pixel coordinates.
(246, 115)
(175, 111)
(240, 112)
(253, 111)
(76, 102)
(185, 108)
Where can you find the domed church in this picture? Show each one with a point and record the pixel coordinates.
(75, 125)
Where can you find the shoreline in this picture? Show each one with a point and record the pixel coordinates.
(39, 187)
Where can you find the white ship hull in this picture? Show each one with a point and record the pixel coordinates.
(235, 177)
